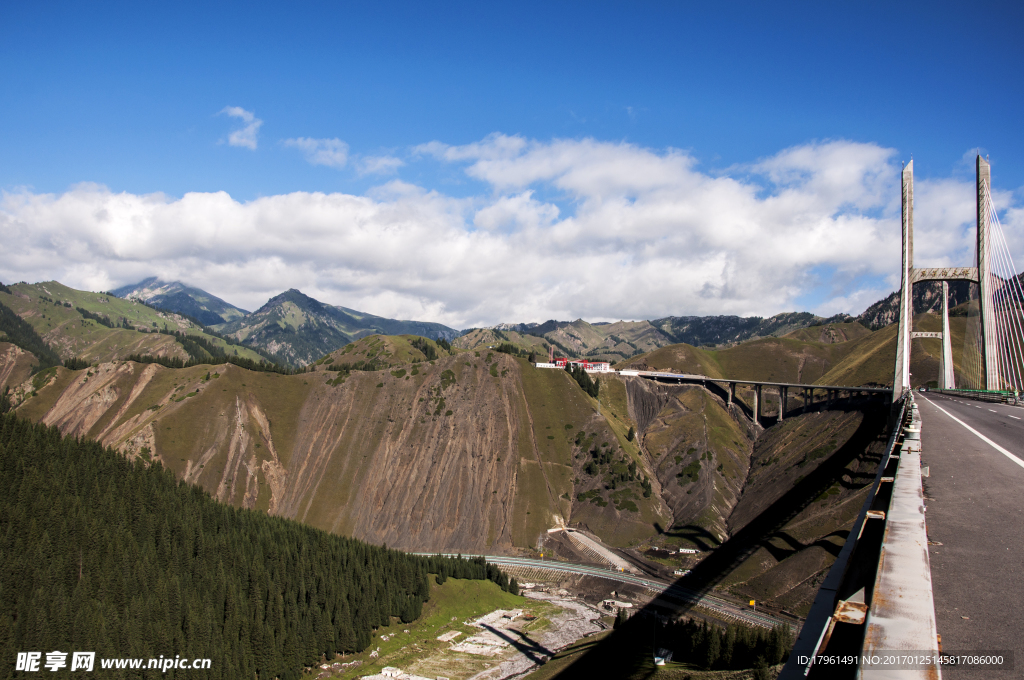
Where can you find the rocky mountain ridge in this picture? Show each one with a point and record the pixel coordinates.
(175, 296)
(292, 326)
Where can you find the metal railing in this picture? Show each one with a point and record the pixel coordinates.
(1012, 398)
(877, 596)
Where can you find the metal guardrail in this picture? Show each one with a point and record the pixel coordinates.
(1014, 399)
(877, 597)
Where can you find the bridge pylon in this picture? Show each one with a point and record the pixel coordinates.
(909, 275)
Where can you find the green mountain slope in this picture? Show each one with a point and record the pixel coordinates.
(99, 327)
(300, 330)
(623, 340)
(828, 354)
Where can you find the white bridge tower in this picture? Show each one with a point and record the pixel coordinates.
(980, 275)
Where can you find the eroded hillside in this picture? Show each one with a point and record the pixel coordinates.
(698, 448)
(464, 453)
(769, 509)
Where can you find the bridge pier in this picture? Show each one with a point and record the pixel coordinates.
(732, 393)
(757, 404)
(808, 397)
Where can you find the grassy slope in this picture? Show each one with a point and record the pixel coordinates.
(71, 335)
(830, 333)
(780, 359)
(865, 358)
(559, 409)
(871, 358)
(787, 567)
(390, 350)
(691, 438)
(679, 358)
(482, 338)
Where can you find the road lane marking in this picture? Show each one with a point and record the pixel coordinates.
(1015, 417)
(991, 411)
(982, 437)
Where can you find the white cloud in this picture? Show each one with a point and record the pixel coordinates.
(379, 165)
(330, 152)
(563, 229)
(245, 136)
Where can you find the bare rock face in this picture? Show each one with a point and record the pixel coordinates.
(646, 400)
(700, 451)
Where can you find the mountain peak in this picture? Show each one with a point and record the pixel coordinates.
(296, 297)
(175, 296)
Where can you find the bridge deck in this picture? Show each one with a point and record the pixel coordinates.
(690, 377)
(975, 525)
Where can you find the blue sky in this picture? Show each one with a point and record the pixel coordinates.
(136, 99)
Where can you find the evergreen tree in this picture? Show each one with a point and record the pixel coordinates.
(115, 556)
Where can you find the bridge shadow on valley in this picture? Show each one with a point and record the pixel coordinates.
(529, 647)
(629, 650)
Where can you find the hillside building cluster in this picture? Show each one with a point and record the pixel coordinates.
(588, 366)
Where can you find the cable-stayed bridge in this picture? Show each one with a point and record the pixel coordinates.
(929, 579)
(991, 358)
(915, 594)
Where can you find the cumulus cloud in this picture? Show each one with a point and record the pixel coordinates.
(244, 136)
(561, 229)
(330, 152)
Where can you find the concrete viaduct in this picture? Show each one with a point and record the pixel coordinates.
(832, 392)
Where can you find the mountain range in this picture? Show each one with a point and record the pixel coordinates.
(292, 326)
(396, 439)
(298, 329)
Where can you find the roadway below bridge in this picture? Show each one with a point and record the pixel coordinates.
(665, 590)
(974, 452)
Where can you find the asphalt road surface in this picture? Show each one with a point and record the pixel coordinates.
(974, 496)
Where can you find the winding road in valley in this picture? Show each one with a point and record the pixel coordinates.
(665, 589)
